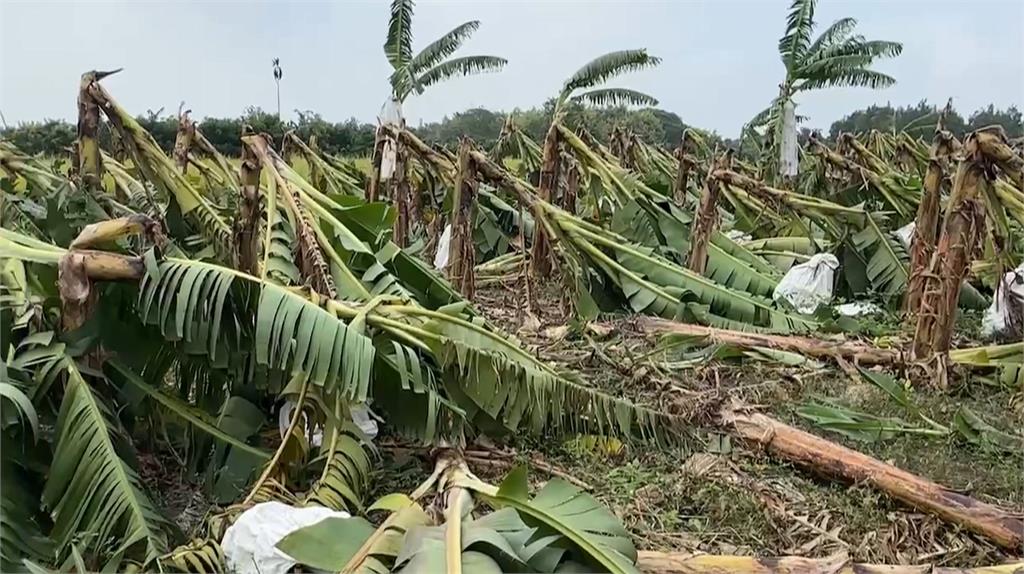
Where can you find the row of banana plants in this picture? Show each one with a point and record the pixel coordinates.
(176, 296)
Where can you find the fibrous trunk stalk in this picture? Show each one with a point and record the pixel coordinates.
(860, 353)
(686, 164)
(962, 229)
(705, 220)
(540, 259)
(461, 257)
(372, 187)
(183, 139)
(572, 189)
(246, 226)
(90, 161)
(400, 182)
(927, 222)
(654, 561)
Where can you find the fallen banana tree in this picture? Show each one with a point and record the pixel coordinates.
(821, 456)
(874, 255)
(855, 351)
(597, 260)
(448, 338)
(156, 167)
(693, 563)
(323, 175)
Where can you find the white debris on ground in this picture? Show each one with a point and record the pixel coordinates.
(250, 543)
(808, 286)
(1009, 295)
(737, 235)
(365, 419)
(362, 416)
(857, 309)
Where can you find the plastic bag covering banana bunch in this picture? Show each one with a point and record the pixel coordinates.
(390, 115)
(809, 285)
(789, 162)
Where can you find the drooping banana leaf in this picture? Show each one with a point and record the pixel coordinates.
(562, 509)
(91, 488)
(353, 545)
(201, 556)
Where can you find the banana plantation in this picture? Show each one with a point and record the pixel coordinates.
(566, 355)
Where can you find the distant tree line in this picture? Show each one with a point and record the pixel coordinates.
(350, 137)
(355, 138)
(919, 120)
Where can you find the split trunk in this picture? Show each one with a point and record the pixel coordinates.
(927, 223)
(962, 229)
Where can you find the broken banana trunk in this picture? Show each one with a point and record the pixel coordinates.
(183, 139)
(309, 257)
(705, 221)
(79, 267)
(247, 224)
(690, 563)
(90, 161)
(833, 460)
(372, 186)
(859, 353)
(540, 259)
(927, 222)
(401, 196)
(962, 231)
(461, 258)
(686, 163)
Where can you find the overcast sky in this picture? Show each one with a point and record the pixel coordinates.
(720, 61)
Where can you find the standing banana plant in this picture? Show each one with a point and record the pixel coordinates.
(836, 58)
(431, 65)
(413, 73)
(584, 86)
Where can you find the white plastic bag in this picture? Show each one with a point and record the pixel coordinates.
(284, 418)
(857, 308)
(739, 236)
(365, 419)
(809, 285)
(789, 160)
(391, 113)
(388, 158)
(1009, 294)
(250, 543)
(906, 233)
(443, 245)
